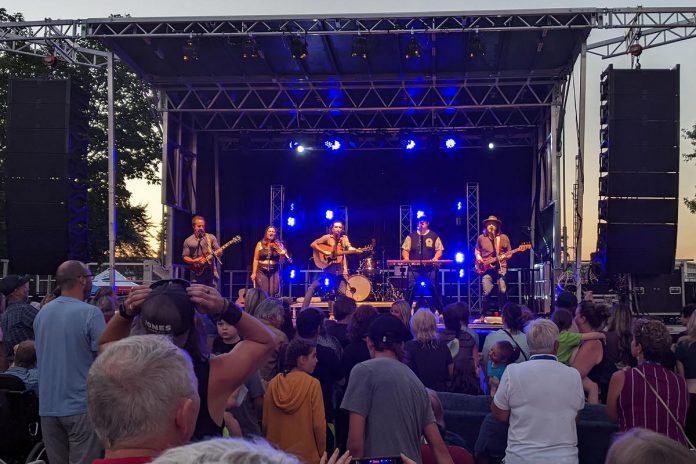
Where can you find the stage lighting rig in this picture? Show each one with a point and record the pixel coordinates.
(359, 48)
(475, 47)
(249, 49)
(189, 52)
(450, 143)
(332, 144)
(298, 48)
(296, 146)
(413, 49)
(409, 143)
(459, 257)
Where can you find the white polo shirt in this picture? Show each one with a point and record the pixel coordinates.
(543, 397)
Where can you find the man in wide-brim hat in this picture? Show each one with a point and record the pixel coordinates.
(490, 244)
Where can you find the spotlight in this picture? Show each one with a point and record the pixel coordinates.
(332, 144)
(475, 47)
(292, 206)
(293, 273)
(296, 146)
(249, 49)
(459, 257)
(298, 48)
(291, 221)
(491, 145)
(189, 52)
(329, 215)
(327, 282)
(359, 48)
(408, 144)
(459, 206)
(461, 273)
(422, 284)
(420, 214)
(413, 50)
(450, 143)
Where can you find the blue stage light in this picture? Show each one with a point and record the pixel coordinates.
(291, 221)
(422, 284)
(327, 282)
(332, 144)
(420, 214)
(459, 257)
(409, 144)
(461, 273)
(450, 143)
(292, 206)
(296, 146)
(329, 215)
(491, 145)
(459, 206)
(293, 274)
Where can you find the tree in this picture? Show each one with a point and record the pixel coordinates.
(691, 135)
(138, 140)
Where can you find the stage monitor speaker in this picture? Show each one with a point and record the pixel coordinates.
(637, 248)
(639, 211)
(46, 175)
(660, 293)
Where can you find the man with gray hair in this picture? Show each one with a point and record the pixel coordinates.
(541, 399)
(135, 413)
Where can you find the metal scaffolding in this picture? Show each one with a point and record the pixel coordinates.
(473, 280)
(276, 209)
(405, 222)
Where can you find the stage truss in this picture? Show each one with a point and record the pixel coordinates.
(473, 279)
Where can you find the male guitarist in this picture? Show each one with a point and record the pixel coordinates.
(491, 243)
(337, 271)
(197, 247)
(423, 245)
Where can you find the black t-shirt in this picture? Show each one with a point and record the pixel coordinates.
(220, 347)
(328, 372)
(686, 353)
(429, 362)
(339, 331)
(353, 354)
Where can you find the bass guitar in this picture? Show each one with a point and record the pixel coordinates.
(198, 267)
(490, 263)
(322, 261)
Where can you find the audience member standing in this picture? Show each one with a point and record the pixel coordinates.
(428, 357)
(67, 340)
(389, 407)
(541, 400)
(18, 317)
(463, 347)
(270, 312)
(686, 366)
(511, 331)
(150, 416)
(343, 309)
(590, 317)
(649, 395)
(617, 349)
(402, 310)
(293, 412)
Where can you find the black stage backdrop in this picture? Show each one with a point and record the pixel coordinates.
(372, 184)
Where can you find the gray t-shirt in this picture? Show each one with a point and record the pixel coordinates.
(395, 406)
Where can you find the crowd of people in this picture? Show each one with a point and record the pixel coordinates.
(166, 374)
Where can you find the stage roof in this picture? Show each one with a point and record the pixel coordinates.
(472, 72)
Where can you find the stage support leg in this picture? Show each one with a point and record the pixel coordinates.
(580, 169)
(113, 159)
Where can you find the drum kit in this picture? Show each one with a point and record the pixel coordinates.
(371, 282)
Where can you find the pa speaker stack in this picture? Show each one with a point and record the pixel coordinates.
(639, 170)
(45, 175)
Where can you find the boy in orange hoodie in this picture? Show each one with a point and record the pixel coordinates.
(293, 408)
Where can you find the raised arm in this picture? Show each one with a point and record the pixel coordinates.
(119, 326)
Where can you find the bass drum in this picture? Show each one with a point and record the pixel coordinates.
(359, 287)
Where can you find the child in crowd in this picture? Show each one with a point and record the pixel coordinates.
(500, 355)
(226, 339)
(568, 343)
(293, 409)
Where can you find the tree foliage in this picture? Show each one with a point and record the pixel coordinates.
(138, 144)
(691, 135)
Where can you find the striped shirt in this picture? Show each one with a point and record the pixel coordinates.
(639, 407)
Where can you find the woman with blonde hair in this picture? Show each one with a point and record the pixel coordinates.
(427, 356)
(642, 446)
(402, 310)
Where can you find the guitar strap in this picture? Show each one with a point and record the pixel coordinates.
(210, 250)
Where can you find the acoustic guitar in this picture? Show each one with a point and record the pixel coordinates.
(199, 267)
(490, 263)
(336, 256)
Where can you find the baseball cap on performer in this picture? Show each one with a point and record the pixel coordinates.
(168, 311)
(388, 329)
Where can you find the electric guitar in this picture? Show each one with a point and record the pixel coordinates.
(199, 267)
(323, 261)
(490, 263)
